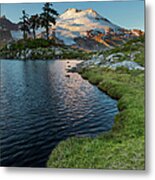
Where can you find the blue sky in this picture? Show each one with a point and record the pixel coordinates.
(128, 14)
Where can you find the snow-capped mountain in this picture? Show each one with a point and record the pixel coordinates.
(83, 29)
(75, 23)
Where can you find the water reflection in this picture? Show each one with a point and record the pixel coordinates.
(40, 106)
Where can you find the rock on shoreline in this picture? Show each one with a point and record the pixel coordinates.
(112, 61)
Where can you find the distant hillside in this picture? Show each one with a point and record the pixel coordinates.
(6, 24)
(8, 31)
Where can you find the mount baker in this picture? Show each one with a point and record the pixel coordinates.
(80, 28)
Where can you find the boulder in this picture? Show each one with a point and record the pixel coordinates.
(101, 57)
(28, 53)
(127, 64)
(73, 69)
(96, 60)
(133, 55)
(114, 57)
(58, 52)
(18, 55)
(8, 46)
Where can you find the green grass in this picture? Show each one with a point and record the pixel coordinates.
(100, 153)
(123, 146)
(31, 44)
(75, 54)
(133, 45)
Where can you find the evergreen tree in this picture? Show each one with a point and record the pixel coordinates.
(24, 24)
(48, 17)
(34, 24)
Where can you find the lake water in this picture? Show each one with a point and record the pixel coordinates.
(40, 106)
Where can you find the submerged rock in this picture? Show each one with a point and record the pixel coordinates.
(73, 69)
(67, 75)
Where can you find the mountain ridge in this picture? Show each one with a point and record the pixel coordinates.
(85, 29)
(75, 23)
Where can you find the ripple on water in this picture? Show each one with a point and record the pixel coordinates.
(40, 107)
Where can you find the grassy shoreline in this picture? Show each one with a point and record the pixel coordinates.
(123, 146)
(41, 49)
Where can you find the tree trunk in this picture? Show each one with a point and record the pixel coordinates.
(34, 34)
(24, 34)
(47, 33)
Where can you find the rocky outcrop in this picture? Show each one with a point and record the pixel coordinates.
(114, 57)
(39, 53)
(112, 61)
(52, 52)
(133, 55)
(130, 65)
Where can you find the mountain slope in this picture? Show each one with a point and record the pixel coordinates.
(75, 23)
(8, 31)
(82, 29)
(7, 24)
